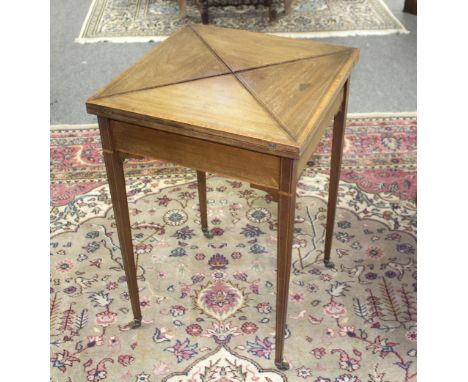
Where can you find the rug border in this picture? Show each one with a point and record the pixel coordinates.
(137, 39)
(85, 22)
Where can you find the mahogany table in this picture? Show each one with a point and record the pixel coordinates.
(246, 105)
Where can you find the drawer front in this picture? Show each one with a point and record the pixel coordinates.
(246, 165)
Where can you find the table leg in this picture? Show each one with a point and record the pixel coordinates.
(286, 213)
(204, 14)
(116, 178)
(339, 124)
(411, 6)
(288, 6)
(201, 181)
(271, 11)
(182, 8)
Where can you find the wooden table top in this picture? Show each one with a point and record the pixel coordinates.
(249, 90)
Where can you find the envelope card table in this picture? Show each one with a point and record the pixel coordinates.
(245, 105)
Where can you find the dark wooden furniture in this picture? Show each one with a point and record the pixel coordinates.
(182, 8)
(246, 105)
(411, 6)
(206, 4)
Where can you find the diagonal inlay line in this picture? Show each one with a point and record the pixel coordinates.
(290, 61)
(264, 106)
(274, 116)
(218, 75)
(153, 54)
(163, 85)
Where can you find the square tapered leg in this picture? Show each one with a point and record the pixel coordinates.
(339, 124)
(201, 181)
(116, 178)
(286, 213)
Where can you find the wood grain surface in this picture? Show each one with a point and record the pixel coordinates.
(181, 57)
(196, 153)
(242, 50)
(293, 90)
(217, 103)
(249, 90)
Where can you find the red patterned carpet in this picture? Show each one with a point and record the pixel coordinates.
(208, 305)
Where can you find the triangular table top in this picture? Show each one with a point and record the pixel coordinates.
(233, 86)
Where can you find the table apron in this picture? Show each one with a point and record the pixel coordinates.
(242, 164)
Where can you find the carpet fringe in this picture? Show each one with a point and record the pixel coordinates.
(85, 23)
(385, 6)
(390, 114)
(137, 39)
(79, 126)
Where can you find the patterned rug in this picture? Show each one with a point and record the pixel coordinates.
(154, 20)
(209, 305)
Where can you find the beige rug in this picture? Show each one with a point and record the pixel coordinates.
(209, 305)
(154, 20)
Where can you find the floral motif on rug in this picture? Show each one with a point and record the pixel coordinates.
(145, 20)
(209, 304)
(219, 299)
(224, 365)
